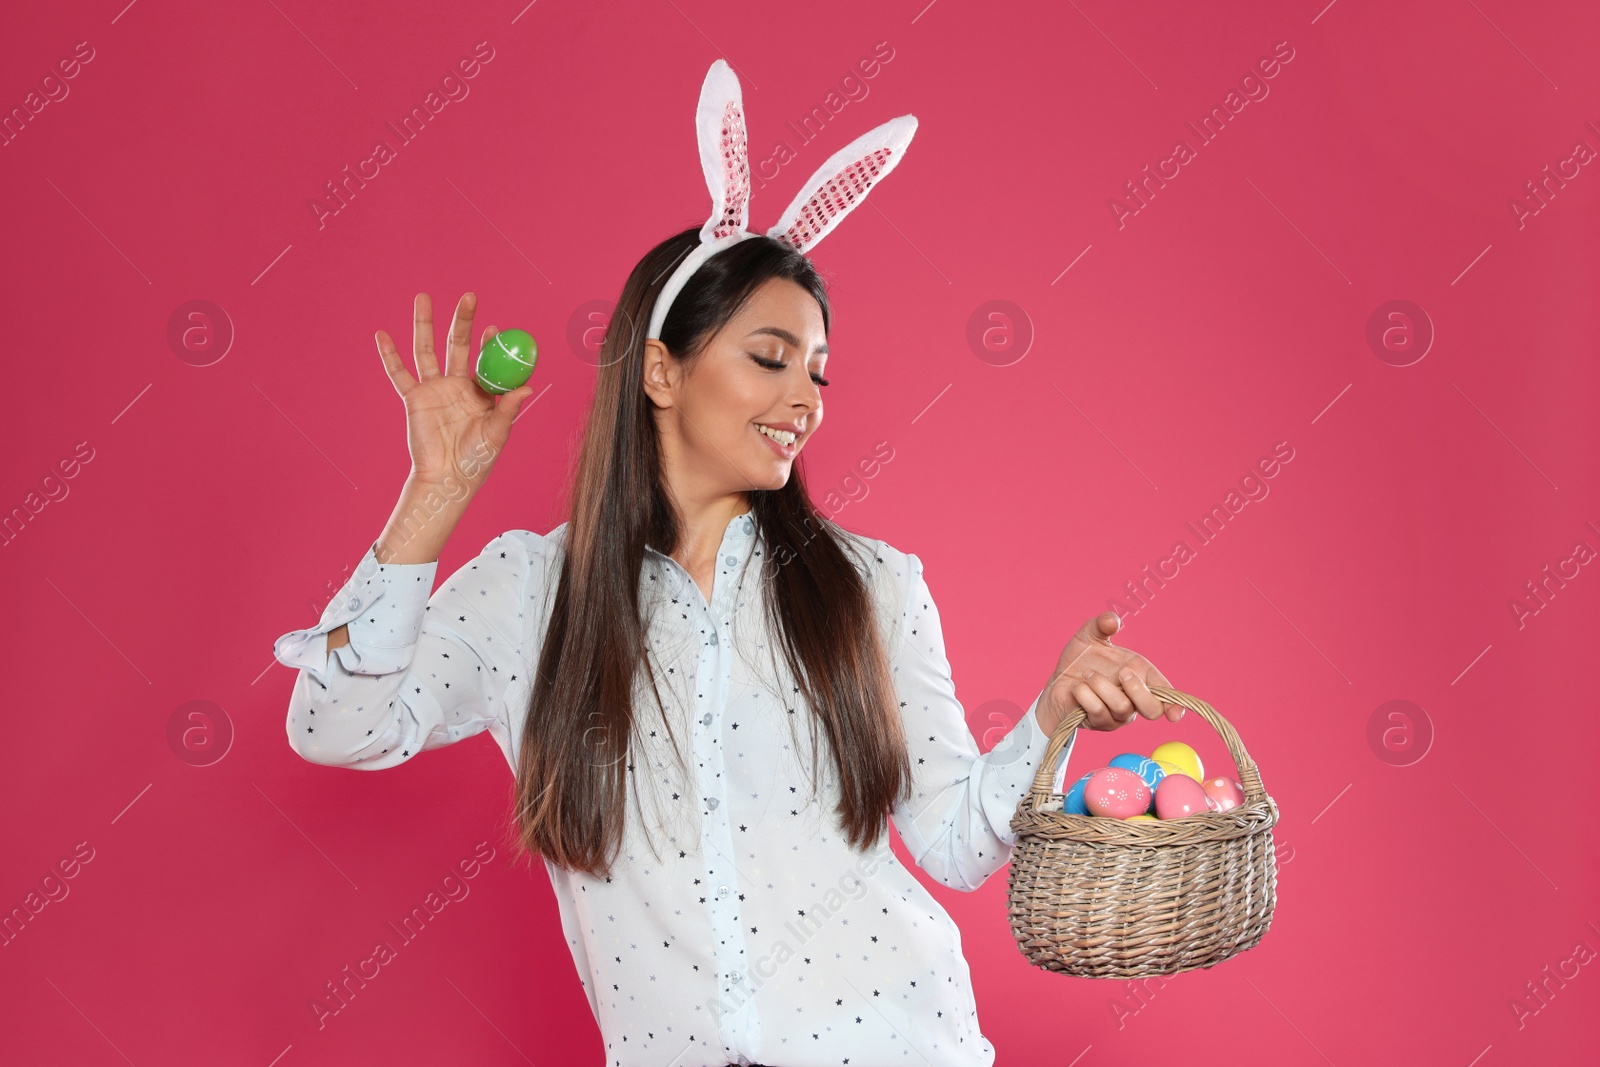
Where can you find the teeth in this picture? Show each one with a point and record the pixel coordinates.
(783, 437)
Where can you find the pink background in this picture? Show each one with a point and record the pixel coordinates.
(212, 506)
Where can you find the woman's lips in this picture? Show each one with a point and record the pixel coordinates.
(785, 451)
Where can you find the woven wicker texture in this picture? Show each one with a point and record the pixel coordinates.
(1104, 898)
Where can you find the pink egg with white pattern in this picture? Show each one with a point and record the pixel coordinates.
(1224, 792)
(1179, 795)
(1116, 792)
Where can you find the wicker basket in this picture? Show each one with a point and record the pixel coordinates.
(1104, 898)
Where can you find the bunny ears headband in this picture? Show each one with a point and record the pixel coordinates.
(838, 186)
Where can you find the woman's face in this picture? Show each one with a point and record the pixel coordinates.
(757, 371)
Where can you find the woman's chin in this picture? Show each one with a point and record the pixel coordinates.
(772, 473)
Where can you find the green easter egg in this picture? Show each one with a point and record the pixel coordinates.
(506, 361)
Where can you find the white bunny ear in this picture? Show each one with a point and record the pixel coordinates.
(719, 122)
(840, 184)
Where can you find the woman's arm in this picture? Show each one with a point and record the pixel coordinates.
(957, 824)
(416, 672)
(380, 681)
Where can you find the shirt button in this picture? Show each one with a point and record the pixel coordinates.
(730, 560)
(723, 891)
(706, 718)
(712, 802)
(355, 604)
(713, 637)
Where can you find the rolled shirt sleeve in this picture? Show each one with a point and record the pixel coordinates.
(382, 605)
(957, 824)
(421, 669)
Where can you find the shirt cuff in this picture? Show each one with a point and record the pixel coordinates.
(383, 606)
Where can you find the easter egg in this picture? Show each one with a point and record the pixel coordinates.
(1186, 758)
(1146, 768)
(506, 361)
(1179, 795)
(1141, 818)
(1225, 791)
(1168, 766)
(1116, 792)
(1073, 804)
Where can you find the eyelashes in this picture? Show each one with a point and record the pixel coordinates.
(774, 364)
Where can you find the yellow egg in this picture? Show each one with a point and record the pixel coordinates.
(1137, 818)
(1168, 766)
(1185, 758)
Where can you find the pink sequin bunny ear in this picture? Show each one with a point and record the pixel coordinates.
(836, 189)
(840, 184)
(719, 122)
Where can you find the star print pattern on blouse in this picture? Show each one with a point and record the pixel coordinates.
(738, 925)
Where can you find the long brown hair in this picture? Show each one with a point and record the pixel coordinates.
(571, 792)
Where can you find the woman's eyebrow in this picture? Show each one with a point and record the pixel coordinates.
(784, 335)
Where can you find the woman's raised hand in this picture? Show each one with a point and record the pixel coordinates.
(454, 429)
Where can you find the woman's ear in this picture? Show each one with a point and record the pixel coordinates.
(660, 373)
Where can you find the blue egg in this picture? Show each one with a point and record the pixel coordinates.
(1073, 804)
(1145, 768)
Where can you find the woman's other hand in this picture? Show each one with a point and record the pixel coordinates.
(1111, 684)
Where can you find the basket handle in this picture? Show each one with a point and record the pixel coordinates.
(1249, 775)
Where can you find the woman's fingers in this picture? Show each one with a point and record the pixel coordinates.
(1098, 630)
(422, 338)
(1093, 710)
(458, 355)
(1106, 706)
(1113, 697)
(392, 363)
(1149, 705)
(510, 403)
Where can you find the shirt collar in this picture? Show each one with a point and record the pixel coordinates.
(738, 539)
(740, 530)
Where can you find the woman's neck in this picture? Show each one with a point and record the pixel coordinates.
(702, 531)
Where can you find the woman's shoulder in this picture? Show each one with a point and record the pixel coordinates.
(872, 552)
(535, 544)
(535, 556)
(888, 570)
(890, 575)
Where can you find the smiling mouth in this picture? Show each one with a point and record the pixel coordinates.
(786, 451)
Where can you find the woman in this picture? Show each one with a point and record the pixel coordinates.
(739, 900)
(696, 600)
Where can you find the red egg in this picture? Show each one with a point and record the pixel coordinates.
(1226, 792)
(1179, 795)
(1116, 792)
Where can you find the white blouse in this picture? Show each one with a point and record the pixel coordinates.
(738, 925)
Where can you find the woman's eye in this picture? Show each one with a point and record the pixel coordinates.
(778, 364)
